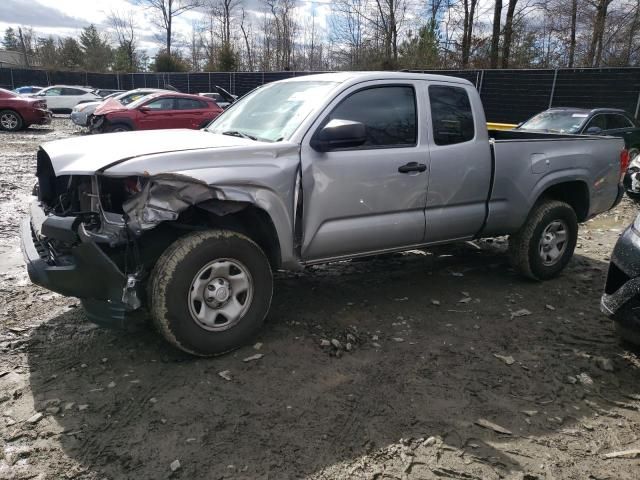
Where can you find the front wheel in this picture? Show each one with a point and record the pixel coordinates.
(210, 292)
(119, 127)
(544, 245)
(10, 120)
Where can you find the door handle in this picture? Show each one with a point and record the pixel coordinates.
(412, 167)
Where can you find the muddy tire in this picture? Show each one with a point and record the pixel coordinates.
(10, 121)
(545, 243)
(210, 292)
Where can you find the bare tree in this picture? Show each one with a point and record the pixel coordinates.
(594, 55)
(164, 13)
(124, 30)
(467, 29)
(495, 37)
(246, 34)
(508, 33)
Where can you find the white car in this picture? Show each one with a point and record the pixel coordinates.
(63, 97)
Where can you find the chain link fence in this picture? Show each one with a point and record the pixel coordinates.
(509, 96)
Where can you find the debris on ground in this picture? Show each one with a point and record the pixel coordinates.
(252, 358)
(226, 374)
(484, 423)
(508, 359)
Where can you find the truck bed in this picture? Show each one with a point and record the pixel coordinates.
(527, 163)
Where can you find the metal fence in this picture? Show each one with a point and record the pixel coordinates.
(507, 95)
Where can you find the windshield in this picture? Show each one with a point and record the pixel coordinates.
(130, 97)
(273, 112)
(556, 121)
(135, 102)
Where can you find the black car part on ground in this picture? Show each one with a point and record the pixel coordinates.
(621, 298)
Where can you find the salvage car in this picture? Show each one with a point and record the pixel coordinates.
(82, 112)
(29, 89)
(190, 224)
(155, 111)
(220, 96)
(62, 98)
(18, 112)
(621, 297)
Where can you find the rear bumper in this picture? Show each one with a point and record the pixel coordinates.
(86, 272)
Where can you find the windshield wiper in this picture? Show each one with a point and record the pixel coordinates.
(236, 133)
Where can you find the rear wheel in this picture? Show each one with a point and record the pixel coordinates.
(210, 292)
(545, 243)
(10, 120)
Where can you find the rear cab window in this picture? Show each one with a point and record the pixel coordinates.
(451, 115)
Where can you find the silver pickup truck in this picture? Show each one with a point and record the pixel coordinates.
(191, 224)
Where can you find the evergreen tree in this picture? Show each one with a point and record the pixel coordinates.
(70, 54)
(97, 54)
(10, 41)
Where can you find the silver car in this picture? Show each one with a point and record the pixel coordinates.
(81, 112)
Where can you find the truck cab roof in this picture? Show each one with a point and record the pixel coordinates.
(358, 77)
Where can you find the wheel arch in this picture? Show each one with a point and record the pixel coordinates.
(575, 193)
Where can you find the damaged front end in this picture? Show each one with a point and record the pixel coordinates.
(97, 238)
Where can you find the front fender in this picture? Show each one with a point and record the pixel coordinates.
(165, 196)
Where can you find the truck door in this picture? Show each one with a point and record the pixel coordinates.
(461, 165)
(371, 197)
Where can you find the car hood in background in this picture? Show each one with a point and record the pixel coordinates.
(90, 154)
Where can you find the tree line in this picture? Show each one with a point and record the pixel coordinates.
(349, 34)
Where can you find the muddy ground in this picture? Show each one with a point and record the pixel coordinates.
(442, 342)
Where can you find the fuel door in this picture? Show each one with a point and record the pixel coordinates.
(540, 163)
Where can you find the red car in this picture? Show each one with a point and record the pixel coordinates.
(159, 110)
(17, 112)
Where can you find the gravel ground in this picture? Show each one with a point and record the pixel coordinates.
(451, 367)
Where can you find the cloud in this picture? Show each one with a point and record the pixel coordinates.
(36, 15)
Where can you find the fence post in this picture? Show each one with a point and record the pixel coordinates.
(13, 86)
(209, 75)
(477, 78)
(188, 82)
(553, 87)
(638, 105)
(481, 81)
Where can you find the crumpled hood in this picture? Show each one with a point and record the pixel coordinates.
(86, 155)
(108, 106)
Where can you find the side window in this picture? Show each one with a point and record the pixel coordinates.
(189, 104)
(53, 92)
(72, 91)
(161, 104)
(599, 121)
(451, 115)
(389, 114)
(617, 121)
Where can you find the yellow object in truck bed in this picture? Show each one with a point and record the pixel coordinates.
(500, 126)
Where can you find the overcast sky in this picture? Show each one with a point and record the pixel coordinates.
(67, 17)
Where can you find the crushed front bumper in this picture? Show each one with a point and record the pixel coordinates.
(621, 298)
(80, 118)
(86, 272)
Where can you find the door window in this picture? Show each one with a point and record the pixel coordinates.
(388, 113)
(599, 121)
(53, 92)
(189, 104)
(160, 104)
(451, 115)
(72, 91)
(615, 121)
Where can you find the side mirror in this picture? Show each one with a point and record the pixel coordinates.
(339, 134)
(144, 109)
(594, 131)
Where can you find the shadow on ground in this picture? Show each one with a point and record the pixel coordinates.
(417, 369)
